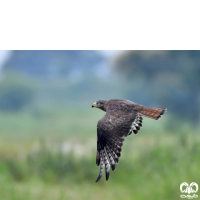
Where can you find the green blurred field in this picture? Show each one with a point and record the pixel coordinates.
(51, 155)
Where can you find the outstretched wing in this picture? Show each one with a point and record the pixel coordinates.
(111, 130)
(108, 151)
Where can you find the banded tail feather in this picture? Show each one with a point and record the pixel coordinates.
(108, 152)
(154, 113)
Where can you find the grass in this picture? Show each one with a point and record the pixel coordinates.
(51, 155)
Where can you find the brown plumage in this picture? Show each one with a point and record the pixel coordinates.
(121, 119)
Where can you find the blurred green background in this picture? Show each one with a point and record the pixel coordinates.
(48, 129)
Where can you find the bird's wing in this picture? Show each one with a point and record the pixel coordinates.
(108, 151)
(111, 130)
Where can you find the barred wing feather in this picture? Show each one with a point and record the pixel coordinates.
(108, 151)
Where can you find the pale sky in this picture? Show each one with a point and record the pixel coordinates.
(110, 53)
(4, 55)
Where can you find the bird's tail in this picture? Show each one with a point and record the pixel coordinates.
(154, 113)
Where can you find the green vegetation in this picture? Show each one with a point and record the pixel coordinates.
(51, 155)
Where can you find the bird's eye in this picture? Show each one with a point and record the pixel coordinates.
(98, 104)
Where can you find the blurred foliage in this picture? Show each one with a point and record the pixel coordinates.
(153, 78)
(170, 77)
(16, 92)
(62, 78)
(47, 64)
(48, 147)
(40, 159)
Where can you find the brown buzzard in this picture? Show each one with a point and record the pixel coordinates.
(121, 119)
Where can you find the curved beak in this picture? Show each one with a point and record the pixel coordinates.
(94, 105)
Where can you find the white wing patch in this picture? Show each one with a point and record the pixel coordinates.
(137, 123)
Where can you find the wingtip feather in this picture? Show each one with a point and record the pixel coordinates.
(99, 177)
(107, 175)
(97, 162)
(113, 167)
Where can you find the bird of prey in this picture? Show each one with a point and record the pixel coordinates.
(121, 119)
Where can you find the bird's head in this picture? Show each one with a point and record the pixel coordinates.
(100, 104)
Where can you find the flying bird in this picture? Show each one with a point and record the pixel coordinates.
(121, 119)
